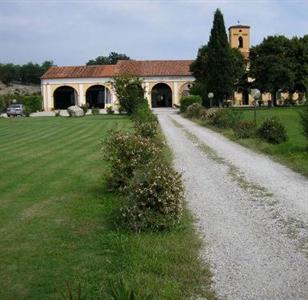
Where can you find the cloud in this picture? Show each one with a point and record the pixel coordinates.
(72, 32)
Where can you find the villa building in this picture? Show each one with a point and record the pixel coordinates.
(164, 81)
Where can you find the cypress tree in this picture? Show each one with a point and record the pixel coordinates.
(220, 76)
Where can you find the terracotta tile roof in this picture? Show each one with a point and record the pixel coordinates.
(154, 67)
(79, 72)
(136, 67)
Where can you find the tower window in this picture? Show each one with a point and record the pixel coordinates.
(240, 42)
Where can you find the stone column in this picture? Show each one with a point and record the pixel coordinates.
(44, 94)
(147, 93)
(175, 96)
(49, 98)
(81, 99)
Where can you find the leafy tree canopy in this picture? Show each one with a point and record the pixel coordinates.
(129, 91)
(111, 59)
(279, 63)
(27, 73)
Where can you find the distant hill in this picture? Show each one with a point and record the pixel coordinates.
(19, 89)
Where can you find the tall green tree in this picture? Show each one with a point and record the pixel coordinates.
(299, 55)
(111, 59)
(217, 68)
(219, 65)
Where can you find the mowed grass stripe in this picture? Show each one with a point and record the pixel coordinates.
(35, 136)
(20, 155)
(58, 162)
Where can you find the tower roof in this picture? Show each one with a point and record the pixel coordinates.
(239, 26)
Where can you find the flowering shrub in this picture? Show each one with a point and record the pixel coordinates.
(194, 110)
(146, 129)
(155, 198)
(272, 131)
(244, 129)
(223, 118)
(126, 152)
(189, 100)
(211, 112)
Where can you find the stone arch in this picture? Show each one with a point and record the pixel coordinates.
(240, 42)
(98, 95)
(184, 89)
(65, 96)
(161, 95)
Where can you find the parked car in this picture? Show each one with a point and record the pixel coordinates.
(16, 110)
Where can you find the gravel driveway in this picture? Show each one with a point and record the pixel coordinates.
(252, 213)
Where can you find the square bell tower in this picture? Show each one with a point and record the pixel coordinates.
(239, 37)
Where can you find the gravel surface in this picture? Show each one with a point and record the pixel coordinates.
(252, 213)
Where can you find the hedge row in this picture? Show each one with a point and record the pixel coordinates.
(271, 130)
(153, 191)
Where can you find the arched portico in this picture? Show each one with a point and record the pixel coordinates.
(65, 96)
(98, 96)
(161, 95)
(185, 89)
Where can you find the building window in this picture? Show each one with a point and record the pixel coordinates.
(240, 42)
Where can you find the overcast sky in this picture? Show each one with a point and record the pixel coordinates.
(72, 32)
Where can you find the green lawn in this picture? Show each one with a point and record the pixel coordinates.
(57, 219)
(293, 153)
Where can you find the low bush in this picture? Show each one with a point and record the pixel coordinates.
(142, 113)
(146, 129)
(189, 100)
(85, 108)
(33, 103)
(126, 152)
(194, 110)
(223, 118)
(272, 131)
(109, 109)
(244, 129)
(95, 111)
(155, 198)
(304, 120)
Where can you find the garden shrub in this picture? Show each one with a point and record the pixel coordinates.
(189, 100)
(155, 197)
(126, 152)
(95, 111)
(143, 113)
(129, 91)
(146, 129)
(272, 131)
(109, 109)
(304, 120)
(244, 129)
(33, 103)
(194, 110)
(203, 114)
(85, 108)
(223, 118)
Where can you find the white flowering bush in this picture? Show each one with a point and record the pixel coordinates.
(194, 110)
(126, 152)
(155, 198)
(109, 109)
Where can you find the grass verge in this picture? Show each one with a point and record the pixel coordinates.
(292, 153)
